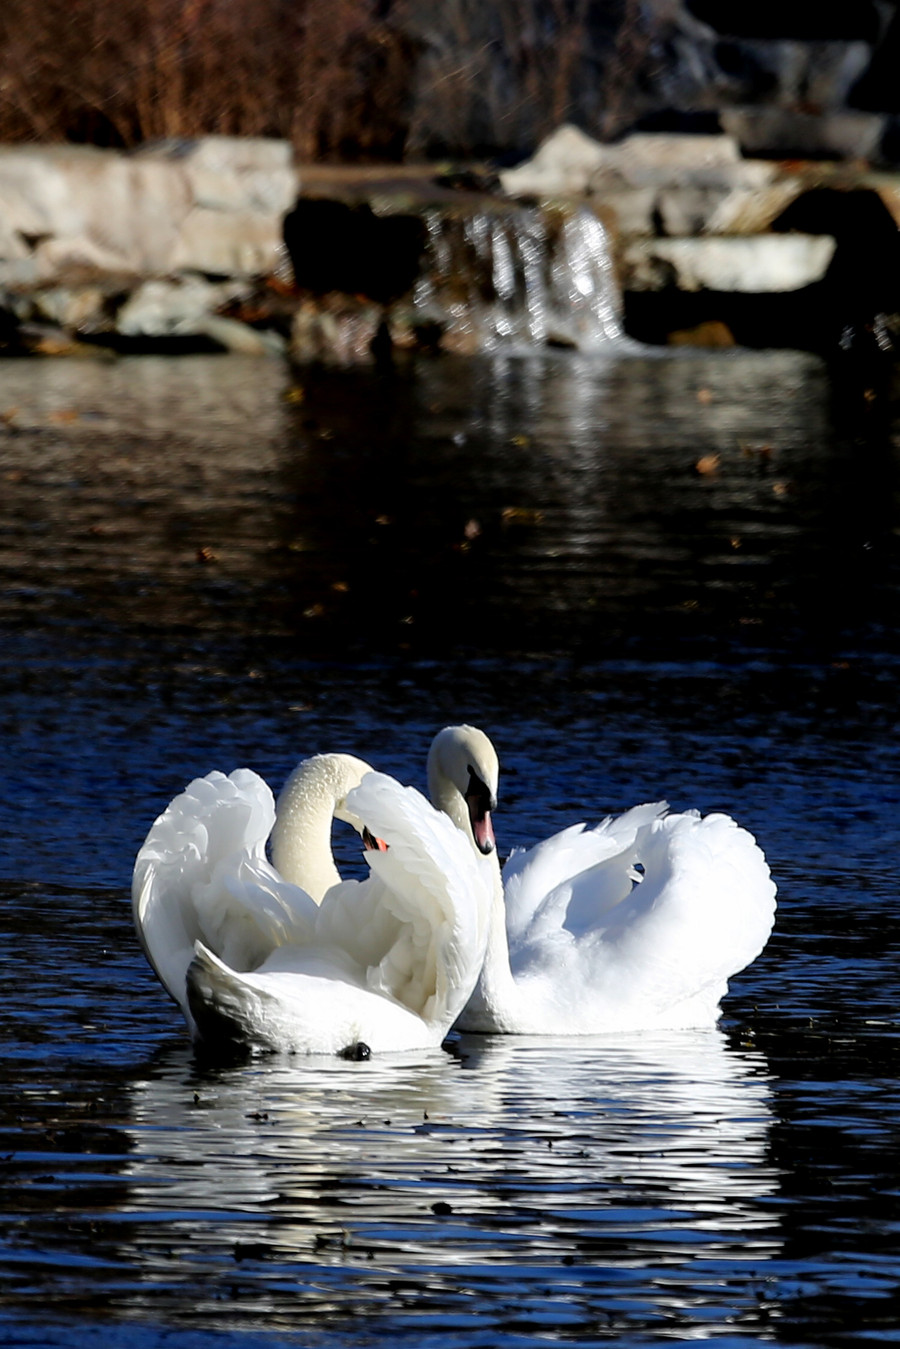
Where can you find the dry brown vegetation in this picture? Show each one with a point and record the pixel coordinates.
(339, 78)
(326, 74)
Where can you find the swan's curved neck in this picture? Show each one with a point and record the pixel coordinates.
(496, 995)
(310, 799)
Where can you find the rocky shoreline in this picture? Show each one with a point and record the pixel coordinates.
(227, 244)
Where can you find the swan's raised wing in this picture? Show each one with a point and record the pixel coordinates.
(662, 956)
(392, 959)
(202, 874)
(427, 903)
(706, 906)
(570, 880)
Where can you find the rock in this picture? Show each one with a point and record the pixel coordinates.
(688, 210)
(712, 333)
(77, 309)
(760, 264)
(788, 134)
(232, 173)
(652, 184)
(888, 188)
(563, 166)
(659, 158)
(176, 308)
(234, 336)
(335, 330)
(85, 211)
(752, 211)
(16, 261)
(227, 243)
(568, 163)
(239, 193)
(628, 210)
(181, 228)
(76, 213)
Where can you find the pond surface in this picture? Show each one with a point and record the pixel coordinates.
(645, 575)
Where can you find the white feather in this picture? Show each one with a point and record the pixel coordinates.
(249, 957)
(635, 925)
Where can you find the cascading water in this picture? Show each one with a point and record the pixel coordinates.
(518, 277)
(465, 274)
(584, 300)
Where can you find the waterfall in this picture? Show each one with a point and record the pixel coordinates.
(518, 276)
(584, 297)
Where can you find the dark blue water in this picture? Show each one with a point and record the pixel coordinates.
(671, 576)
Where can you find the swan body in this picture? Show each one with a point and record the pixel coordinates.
(253, 958)
(636, 924)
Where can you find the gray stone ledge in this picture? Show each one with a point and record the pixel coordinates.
(765, 263)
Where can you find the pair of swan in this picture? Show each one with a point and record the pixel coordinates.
(636, 924)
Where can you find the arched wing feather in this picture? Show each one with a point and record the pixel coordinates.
(202, 874)
(702, 912)
(429, 881)
(572, 878)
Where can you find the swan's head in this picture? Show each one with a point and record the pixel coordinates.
(463, 776)
(346, 772)
(343, 772)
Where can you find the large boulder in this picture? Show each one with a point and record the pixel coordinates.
(648, 182)
(213, 206)
(570, 164)
(763, 263)
(792, 133)
(564, 165)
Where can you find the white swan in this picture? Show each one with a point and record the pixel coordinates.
(636, 924)
(250, 957)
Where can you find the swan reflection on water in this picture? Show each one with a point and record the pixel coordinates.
(644, 1148)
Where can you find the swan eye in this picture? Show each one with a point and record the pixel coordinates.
(478, 791)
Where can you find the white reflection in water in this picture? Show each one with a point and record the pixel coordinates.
(653, 1147)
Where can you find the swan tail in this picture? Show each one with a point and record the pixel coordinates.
(225, 1011)
(746, 893)
(308, 1001)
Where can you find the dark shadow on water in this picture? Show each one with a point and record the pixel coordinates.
(692, 505)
